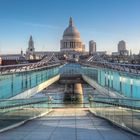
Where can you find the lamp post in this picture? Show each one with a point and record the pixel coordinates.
(131, 88)
(105, 78)
(120, 84)
(131, 95)
(112, 81)
(12, 85)
(108, 82)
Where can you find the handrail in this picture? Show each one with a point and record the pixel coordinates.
(121, 102)
(21, 102)
(25, 68)
(121, 64)
(129, 68)
(127, 102)
(126, 117)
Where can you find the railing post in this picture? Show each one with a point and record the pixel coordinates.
(41, 76)
(30, 81)
(131, 88)
(46, 74)
(36, 79)
(26, 80)
(22, 81)
(12, 85)
(132, 118)
(120, 84)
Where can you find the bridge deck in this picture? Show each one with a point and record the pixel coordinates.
(68, 124)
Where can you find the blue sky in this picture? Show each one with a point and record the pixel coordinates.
(105, 21)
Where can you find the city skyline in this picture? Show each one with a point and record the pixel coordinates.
(105, 22)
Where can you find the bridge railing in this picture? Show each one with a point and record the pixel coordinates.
(19, 111)
(123, 102)
(129, 68)
(7, 69)
(14, 112)
(12, 84)
(122, 112)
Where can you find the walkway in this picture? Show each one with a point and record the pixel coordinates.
(68, 124)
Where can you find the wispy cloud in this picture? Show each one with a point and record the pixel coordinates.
(98, 32)
(26, 23)
(42, 25)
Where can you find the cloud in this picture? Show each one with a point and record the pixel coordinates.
(26, 23)
(42, 25)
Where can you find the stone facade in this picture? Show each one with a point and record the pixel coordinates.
(71, 45)
(71, 42)
(122, 48)
(92, 47)
(30, 53)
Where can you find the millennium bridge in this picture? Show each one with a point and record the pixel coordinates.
(64, 100)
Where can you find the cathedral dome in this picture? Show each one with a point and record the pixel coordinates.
(71, 41)
(71, 30)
